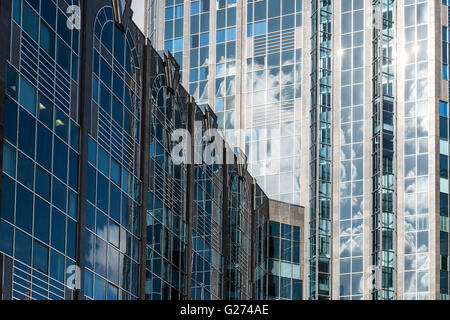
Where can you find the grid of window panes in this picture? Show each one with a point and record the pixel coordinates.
(352, 149)
(273, 83)
(207, 233)
(284, 262)
(199, 50)
(113, 194)
(444, 126)
(237, 266)
(260, 247)
(40, 151)
(320, 151)
(166, 222)
(417, 233)
(173, 28)
(225, 81)
(383, 148)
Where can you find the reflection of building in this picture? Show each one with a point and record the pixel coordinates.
(243, 58)
(93, 203)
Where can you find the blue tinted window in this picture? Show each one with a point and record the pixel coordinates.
(45, 111)
(63, 55)
(60, 160)
(30, 22)
(99, 291)
(102, 193)
(73, 204)
(115, 203)
(195, 7)
(42, 183)
(103, 161)
(25, 171)
(74, 135)
(117, 111)
(88, 280)
(48, 12)
(10, 126)
(274, 229)
(115, 172)
(92, 182)
(26, 133)
(61, 124)
(12, 81)
(57, 266)
(71, 238)
(119, 45)
(47, 41)
(9, 159)
(105, 98)
(260, 28)
(44, 147)
(90, 217)
(169, 13)
(63, 31)
(6, 239)
(179, 11)
(92, 152)
(59, 195)
(58, 230)
(7, 199)
(17, 4)
(443, 108)
(73, 170)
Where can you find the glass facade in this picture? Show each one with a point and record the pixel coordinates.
(383, 148)
(243, 58)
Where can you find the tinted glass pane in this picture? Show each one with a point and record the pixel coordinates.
(63, 55)
(24, 209)
(40, 257)
(59, 195)
(6, 239)
(7, 200)
(58, 230)
(61, 124)
(48, 12)
(60, 160)
(47, 40)
(25, 171)
(10, 128)
(27, 96)
(9, 159)
(30, 22)
(42, 183)
(44, 147)
(12, 81)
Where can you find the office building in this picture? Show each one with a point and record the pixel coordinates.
(364, 85)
